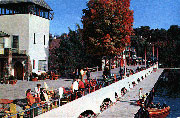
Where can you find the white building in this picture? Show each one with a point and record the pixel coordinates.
(26, 22)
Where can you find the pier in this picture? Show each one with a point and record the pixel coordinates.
(125, 108)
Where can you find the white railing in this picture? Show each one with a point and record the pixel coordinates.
(93, 100)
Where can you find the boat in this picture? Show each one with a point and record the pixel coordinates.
(158, 113)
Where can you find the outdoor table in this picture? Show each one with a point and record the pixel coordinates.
(5, 102)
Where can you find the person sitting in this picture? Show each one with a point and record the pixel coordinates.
(37, 90)
(30, 98)
(158, 105)
(43, 95)
(152, 105)
(164, 105)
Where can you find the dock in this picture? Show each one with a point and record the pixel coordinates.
(125, 108)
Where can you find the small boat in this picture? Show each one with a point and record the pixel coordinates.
(158, 113)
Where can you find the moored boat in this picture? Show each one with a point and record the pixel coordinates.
(158, 113)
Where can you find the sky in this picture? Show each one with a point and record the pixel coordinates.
(153, 13)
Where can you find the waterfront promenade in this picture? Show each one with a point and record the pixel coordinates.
(125, 108)
(94, 100)
(17, 91)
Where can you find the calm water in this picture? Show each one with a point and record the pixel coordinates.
(168, 91)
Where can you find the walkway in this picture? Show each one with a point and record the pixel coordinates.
(17, 91)
(125, 107)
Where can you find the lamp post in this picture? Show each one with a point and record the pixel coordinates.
(153, 53)
(157, 58)
(145, 56)
(120, 66)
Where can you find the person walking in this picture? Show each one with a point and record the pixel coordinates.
(82, 74)
(88, 74)
(75, 88)
(140, 93)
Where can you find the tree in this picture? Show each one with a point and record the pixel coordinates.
(67, 53)
(167, 42)
(107, 26)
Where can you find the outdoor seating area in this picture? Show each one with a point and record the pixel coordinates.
(43, 99)
(33, 77)
(44, 76)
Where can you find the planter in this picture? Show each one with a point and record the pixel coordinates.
(6, 81)
(12, 82)
(34, 79)
(56, 77)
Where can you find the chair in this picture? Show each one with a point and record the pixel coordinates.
(12, 110)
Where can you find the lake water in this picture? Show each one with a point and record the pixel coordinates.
(167, 90)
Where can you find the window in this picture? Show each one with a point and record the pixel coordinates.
(10, 11)
(33, 64)
(34, 38)
(1, 43)
(15, 42)
(44, 40)
(1, 46)
(7, 11)
(42, 65)
(37, 11)
(2, 11)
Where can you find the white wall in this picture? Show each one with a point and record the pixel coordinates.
(16, 25)
(38, 51)
(25, 25)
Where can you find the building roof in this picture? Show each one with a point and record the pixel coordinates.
(41, 3)
(2, 34)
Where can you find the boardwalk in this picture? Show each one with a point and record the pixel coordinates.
(125, 107)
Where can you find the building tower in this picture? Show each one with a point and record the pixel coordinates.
(25, 47)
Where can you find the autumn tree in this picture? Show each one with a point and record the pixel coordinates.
(107, 26)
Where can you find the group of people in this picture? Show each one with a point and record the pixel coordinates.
(80, 74)
(40, 94)
(78, 86)
(146, 102)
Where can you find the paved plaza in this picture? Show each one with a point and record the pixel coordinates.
(17, 91)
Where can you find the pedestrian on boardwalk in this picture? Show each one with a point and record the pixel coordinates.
(140, 93)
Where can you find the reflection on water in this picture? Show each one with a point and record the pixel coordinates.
(167, 90)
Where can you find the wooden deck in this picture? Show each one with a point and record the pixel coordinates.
(126, 108)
